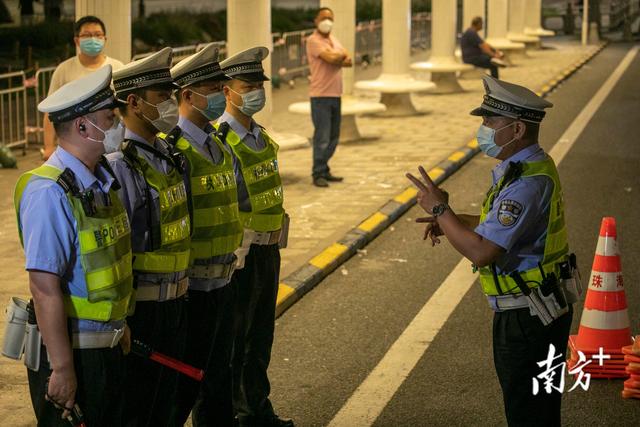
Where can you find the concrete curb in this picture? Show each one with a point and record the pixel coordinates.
(301, 281)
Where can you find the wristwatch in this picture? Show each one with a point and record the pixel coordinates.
(439, 209)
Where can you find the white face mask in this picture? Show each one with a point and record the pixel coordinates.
(113, 137)
(167, 115)
(325, 26)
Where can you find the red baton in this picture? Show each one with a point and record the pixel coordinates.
(145, 351)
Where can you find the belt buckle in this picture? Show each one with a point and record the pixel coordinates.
(182, 286)
(493, 303)
(262, 238)
(118, 333)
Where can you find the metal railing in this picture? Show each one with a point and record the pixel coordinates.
(41, 83)
(13, 110)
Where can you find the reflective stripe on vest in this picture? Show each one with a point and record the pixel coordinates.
(216, 227)
(173, 253)
(105, 254)
(262, 178)
(556, 246)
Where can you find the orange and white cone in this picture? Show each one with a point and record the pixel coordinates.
(605, 321)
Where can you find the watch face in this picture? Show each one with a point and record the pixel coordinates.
(438, 209)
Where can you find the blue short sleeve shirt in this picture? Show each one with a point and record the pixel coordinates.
(518, 218)
(49, 228)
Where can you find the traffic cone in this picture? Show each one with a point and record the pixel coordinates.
(605, 321)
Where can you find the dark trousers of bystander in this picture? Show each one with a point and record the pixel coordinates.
(484, 61)
(150, 388)
(325, 114)
(255, 317)
(209, 346)
(520, 341)
(100, 375)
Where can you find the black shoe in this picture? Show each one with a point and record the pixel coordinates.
(276, 421)
(333, 178)
(320, 182)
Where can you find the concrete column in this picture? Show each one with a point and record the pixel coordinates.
(471, 9)
(533, 20)
(497, 19)
(516, 25)
(116, 15)
(442, 64)
(249, 25)
(395, 83)
(396, 36)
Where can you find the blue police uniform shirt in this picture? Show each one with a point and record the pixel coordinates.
(521, 230)
(202, 142)
(252, 139)
(133, 194)
(50, 233)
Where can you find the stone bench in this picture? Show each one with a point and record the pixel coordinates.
(539, 32)
(510, 49)
(396, 90)
(443, 73)
(530, 42)
(350, 108)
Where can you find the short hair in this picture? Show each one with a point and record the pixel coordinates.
(62, 128)
(122, 106)
(323, 9)
(89, 19)
(477, 20)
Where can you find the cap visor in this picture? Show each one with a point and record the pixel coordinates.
(482, 112)
(252, 77)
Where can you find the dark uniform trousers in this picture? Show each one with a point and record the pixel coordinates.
(255, 321)
(209, 347)
(520, 341)
(150, 388)
(100, 374)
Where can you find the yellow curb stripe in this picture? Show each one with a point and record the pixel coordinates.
(473, 143)
(456, 156)
(406, 195)
(435, 173)
(283, 292)
(545, 88)
(372, 222)
(327, 256)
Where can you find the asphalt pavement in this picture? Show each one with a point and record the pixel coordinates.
(330, 341)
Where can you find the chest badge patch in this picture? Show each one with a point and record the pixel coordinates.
(509, 212)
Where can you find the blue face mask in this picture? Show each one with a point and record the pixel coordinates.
(216, 103)
(252, 102)
(486, 140)
(91, 46)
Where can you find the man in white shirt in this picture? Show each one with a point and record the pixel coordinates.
(90, 37)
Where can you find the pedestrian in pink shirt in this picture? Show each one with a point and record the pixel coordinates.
(326, 58)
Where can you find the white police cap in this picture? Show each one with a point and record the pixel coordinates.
(152, 70)
(511, 100)
(246, 65)
(200, 66)
(80, 97)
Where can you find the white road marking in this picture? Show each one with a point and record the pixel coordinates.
(569, 137)
(371, 397)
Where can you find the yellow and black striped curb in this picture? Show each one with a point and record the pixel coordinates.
(301, 281)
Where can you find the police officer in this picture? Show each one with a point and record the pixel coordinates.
(154, 195)
(76, 239)
(519, 243)
(216, 233)
(260, 201)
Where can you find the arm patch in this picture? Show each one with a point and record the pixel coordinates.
(509, 212)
